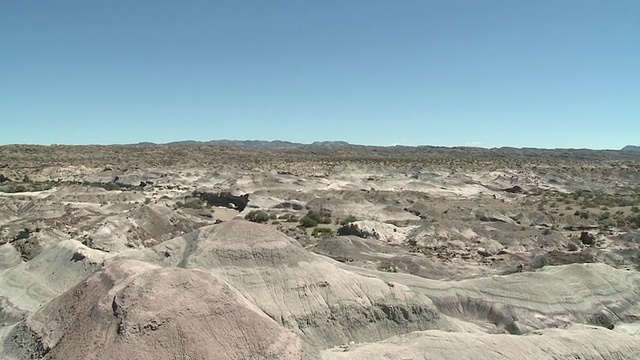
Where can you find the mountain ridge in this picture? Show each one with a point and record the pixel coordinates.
(631, 148)
(284, 144)
(254, 144)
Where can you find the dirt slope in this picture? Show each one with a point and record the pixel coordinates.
(135, 310)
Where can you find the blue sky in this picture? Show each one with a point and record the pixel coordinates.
(484, 73)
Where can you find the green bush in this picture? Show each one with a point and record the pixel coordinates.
(17, 189)
(634, 221)
(288, 217)
(308, 222)
(604, 216)
(321, 232)
(313, 218)
(257, 216)
(27, 186)
(110, 186)
(573, 247)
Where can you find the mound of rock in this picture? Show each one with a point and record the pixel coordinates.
(135, 310)
(304, 292)
(27, 285)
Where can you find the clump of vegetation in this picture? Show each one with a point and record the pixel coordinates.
(604, 216)
(598, 200)
(573, 246)
(196, 204)
(313, 218)
(634, 221)
(539, 261)
(321, 232)
(28, 186)
(353, 229)
(288, 217)
(308, 222)
(258, 216)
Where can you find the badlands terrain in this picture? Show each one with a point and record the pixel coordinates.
(330, 251)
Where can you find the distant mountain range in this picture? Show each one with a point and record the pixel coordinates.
(631, 148)
(279, 144)
(256, 144)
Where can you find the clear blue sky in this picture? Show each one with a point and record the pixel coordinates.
(488, 73)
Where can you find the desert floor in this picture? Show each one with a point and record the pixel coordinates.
(348, 252)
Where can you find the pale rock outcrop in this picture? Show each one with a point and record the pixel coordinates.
(136, 310)
(307, 293)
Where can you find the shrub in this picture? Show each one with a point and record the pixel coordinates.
(110, 186)
(573, 246)
(539, 261)
(634, 221)
(353, 229)
(321, 232)
(308, 222)
(313, 218)
(288, 217)
(17, 189)
(27, 186)
(257, 216)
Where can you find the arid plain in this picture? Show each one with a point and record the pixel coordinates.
(327, 251)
